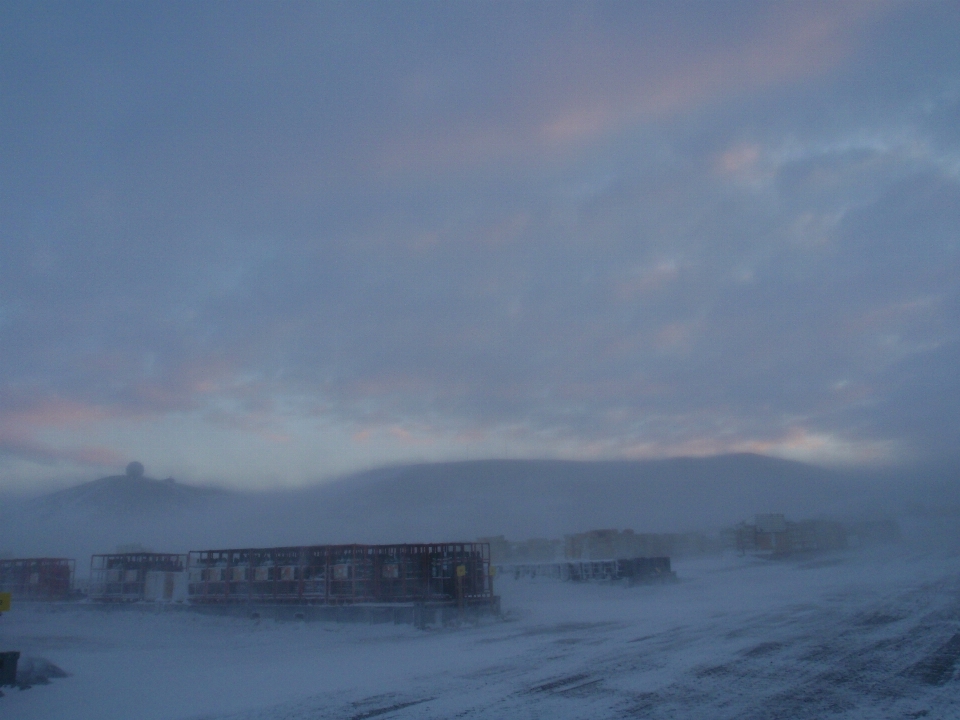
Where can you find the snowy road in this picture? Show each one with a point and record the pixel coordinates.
(858, 635)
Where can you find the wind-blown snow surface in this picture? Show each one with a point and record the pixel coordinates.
(858, 635)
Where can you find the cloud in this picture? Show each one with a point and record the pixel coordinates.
(16, 447)
(326, 237)
(599, 74)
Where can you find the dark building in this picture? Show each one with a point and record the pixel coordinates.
(37, 578)
(343, 574)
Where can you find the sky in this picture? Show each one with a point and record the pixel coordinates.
(261, 244)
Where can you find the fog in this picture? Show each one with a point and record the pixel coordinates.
(862, 631)
(587, 359)
(463, 502)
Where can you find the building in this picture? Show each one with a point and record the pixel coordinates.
(774, 535)
(453, 573)
(37, 578)
(616, 544)
(522, 551)
(138, 576)
(629, 570)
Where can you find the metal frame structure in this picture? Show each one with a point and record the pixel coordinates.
(343, 574)
(122, 577)
(37, 578)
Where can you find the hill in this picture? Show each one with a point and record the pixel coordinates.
(123, 494)
(431, 502)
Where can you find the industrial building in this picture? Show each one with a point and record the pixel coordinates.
(773, 535)
(136, 576)
(37, 578)
(534, 550)
(606, 544)
(598, 545)
(447, 573)
(630, 570)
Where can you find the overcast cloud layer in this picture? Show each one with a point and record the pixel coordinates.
(265, 243)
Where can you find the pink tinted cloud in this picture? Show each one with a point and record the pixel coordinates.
(18, 444)
(93, 455)
(183, 387)
(794, 442)
(646, 280)
(23, 411)
(793, 42)
(601, 82)
(362, 436)
(28, 412)
(23, 416)
(676, 337)
(739, 159)
(418, 436)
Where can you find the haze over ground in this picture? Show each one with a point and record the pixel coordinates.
(465, 501)
(363, 272)
(261, 245)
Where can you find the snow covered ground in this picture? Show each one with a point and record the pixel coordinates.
(868, 634)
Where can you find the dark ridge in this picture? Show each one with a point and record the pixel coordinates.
(436, 502)
(126, 494)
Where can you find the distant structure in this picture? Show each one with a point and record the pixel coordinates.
(617, 545)
(135, 470)
(526, 551)
(37, 578)
(137, 575)
(454, 574)
(773, 535)
(597, 545)
(629, 570)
